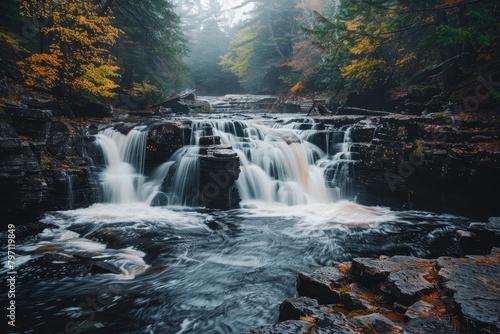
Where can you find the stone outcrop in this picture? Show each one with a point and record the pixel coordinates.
(52, 163)
(439, 162)
(397, 294)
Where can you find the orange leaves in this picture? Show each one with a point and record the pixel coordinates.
(297, 87)
(42, 69)
(78, 58)
(448, 3)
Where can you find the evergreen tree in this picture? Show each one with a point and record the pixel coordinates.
(151, 49)
(260, 51)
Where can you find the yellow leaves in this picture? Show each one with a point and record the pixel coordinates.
(344, 268)
(365, 46)
(297, 87)
(96, 80)
(364, 69)
(78, 58)
(352, 25)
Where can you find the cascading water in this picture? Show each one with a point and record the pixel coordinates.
(278, 164)
(338, 168)
(177, 270)
(123, 179)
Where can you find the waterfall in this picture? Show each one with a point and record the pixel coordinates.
(338, 172)
(123, 180)
(69, 182)
(277, 164)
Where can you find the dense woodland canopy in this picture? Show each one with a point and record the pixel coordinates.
(102, 50)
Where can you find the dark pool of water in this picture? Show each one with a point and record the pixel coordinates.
(188, 271)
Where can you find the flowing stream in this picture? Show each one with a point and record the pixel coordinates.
(177, 268)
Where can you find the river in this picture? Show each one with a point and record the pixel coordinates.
(179, 268)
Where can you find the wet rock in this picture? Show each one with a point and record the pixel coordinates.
(473, 284)
(164, 139)
(400, 276)
(468, 244)
(352, 301)
(93, 256)
(487, 236)
(426, 325)
(294, 308)
(374, 270)
(420, 309)
(209, 140)
(320, 284)
(105, 268)
(286, 327)
(58, 258)
(219, 169)
(374, 323)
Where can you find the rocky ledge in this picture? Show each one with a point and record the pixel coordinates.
(394, 295)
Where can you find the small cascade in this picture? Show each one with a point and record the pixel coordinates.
(338, 172)
(69, 186)
(182, 178)
(122, 179)
(277, 166)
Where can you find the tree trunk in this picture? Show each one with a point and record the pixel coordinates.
(447, 52)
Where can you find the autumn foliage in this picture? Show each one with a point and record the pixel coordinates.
(76, 58)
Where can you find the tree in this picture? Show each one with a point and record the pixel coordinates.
(260, 51)
(208, 37)
(152, 48)
(74, 57)
(386, 42)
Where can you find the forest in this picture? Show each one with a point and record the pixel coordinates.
(118, 50)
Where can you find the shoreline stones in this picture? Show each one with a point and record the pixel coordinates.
(396, 294)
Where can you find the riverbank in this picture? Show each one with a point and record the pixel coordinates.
(441, 162)
(395, 294)
(402, 293)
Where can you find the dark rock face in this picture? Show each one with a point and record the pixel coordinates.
(219, 169)
(92, 109)
(472, 282)
(164, 139)
(32, 123)
(21, 180)
(433, 163)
